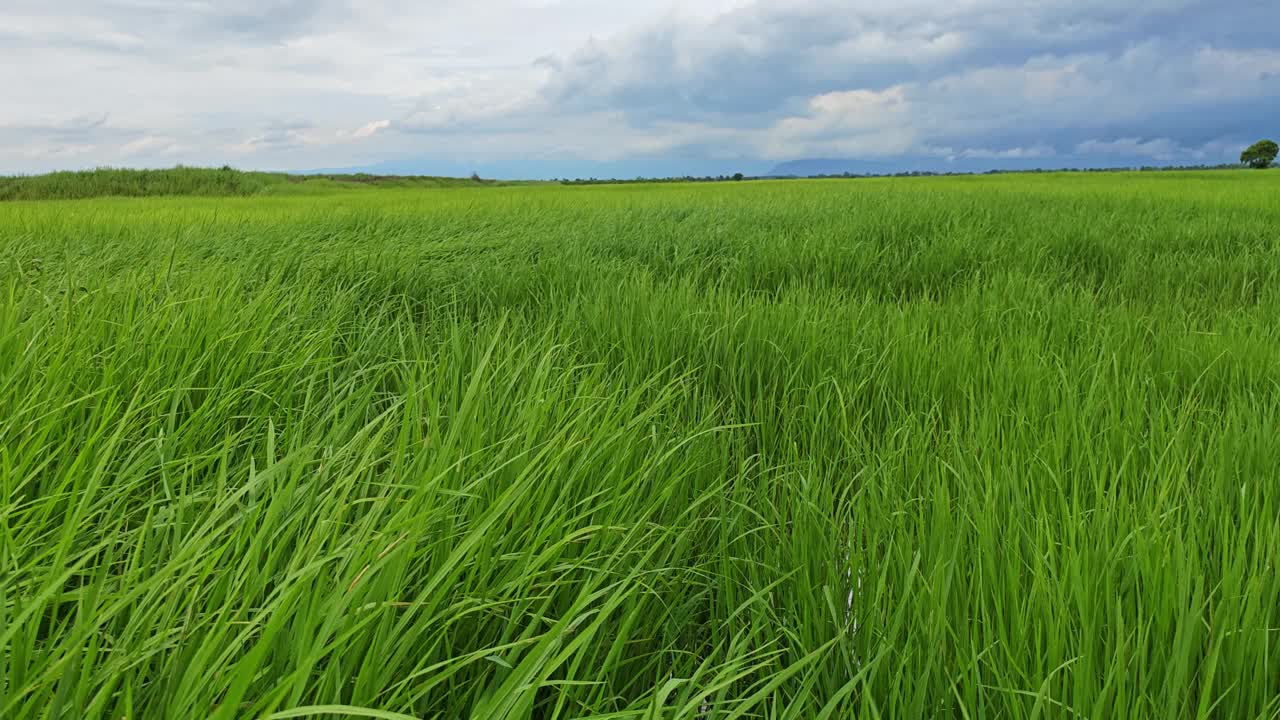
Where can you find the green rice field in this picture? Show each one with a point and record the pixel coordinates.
(973, 447)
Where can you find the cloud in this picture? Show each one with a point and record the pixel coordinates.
(300, 134)
(149, 145)
(529, 84)
(850, 122)
(986, 78)
(56, 151)
(769, 55)
(491, 100)
(1157, 149)
(282, 136)
(371, 129)
(1160, 150)
(979, 153)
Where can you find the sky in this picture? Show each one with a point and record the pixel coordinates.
(577, 88)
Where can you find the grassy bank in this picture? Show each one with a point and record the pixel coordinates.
(975, 447)
(204, 182)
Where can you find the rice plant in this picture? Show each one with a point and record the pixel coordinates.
(994, 447)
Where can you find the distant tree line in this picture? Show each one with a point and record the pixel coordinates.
(907, 173)
(736, 177)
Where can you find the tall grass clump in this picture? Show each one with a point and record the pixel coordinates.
(973, 448)
(105, 182)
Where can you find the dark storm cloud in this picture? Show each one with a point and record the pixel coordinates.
(968, 69)
(761, 57)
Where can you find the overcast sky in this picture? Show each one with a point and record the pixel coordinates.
(566, 87)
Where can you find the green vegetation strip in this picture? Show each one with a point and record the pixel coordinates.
(207, 182)
(974, 448)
